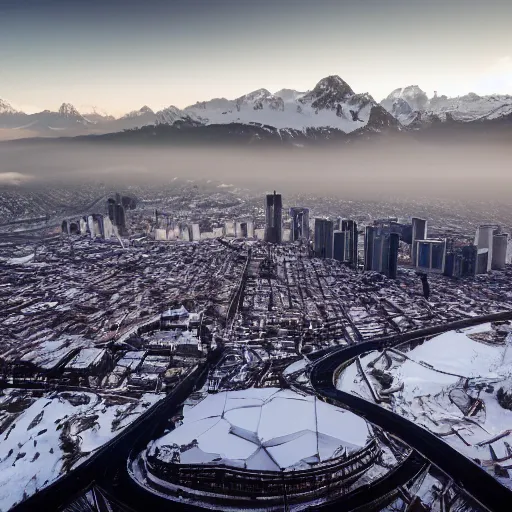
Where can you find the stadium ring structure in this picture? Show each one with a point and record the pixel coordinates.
(258, 446)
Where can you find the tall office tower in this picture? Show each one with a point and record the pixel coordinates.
(499, 251)
(369, 242)
(90, 226)
(419, 232)
(394, 245)
(240, 232)
(299, 223)
(350, 226)
(229, 228)
(469, 260)
(108, 230)
(111, 204)
(341, 243)
(99, 226)
(119, 217)
(323, 238)
(83, 226)
(484, 243)
(389, 254)
(250, 229)
(196, 232)
(273, 218)
(381, 251)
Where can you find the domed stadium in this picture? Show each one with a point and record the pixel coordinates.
(259, 444)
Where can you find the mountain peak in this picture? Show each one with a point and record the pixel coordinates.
(328, 93)
(333, 83)
(412, 94)
(68, 110)
(146, 110)
(254, 96)
(7, 108)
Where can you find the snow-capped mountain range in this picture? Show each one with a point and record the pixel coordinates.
(411, 105)
(331, 104)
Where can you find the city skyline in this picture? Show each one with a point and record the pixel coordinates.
(118, 56)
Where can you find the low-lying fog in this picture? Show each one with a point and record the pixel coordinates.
(414, 169)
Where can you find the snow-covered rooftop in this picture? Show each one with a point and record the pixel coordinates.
(86, 358)
(264, 429)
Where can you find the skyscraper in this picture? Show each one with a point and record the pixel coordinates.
(341, 244)
(299, 223)
(119, 217)
(369, 241)
(499, 251)
(484, 243)
(111, 209)
(381, 251)
(350, 227)
(324, 238)
(469, 260)
(273, 218)
(419, 232)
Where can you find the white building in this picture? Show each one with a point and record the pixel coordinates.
(229, 228)
(259, 233)
(196, 232)
(218, 232)
(160, 234)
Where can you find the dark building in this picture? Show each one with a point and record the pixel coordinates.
(111, 204)
(119, 217)
(482, 262)
(381, 251)
(454, 264)
(499, 251)
(469, 260)
(299, 223)
(243, 230)
(324, 238)
(350, 227)
(273, 218)
(341, 243)
(369, 239)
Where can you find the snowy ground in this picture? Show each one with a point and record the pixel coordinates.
(448, 385)
(42, 437)
(264, 429)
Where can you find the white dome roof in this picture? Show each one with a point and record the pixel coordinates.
(262, 429)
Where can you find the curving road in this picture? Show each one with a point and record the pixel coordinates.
(480, 485)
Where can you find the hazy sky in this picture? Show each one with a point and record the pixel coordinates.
(118, 55)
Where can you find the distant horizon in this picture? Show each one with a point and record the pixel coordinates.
(85, 109)
(118, 55)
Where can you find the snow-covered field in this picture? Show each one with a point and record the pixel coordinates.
(448, 385)
(44, 435)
